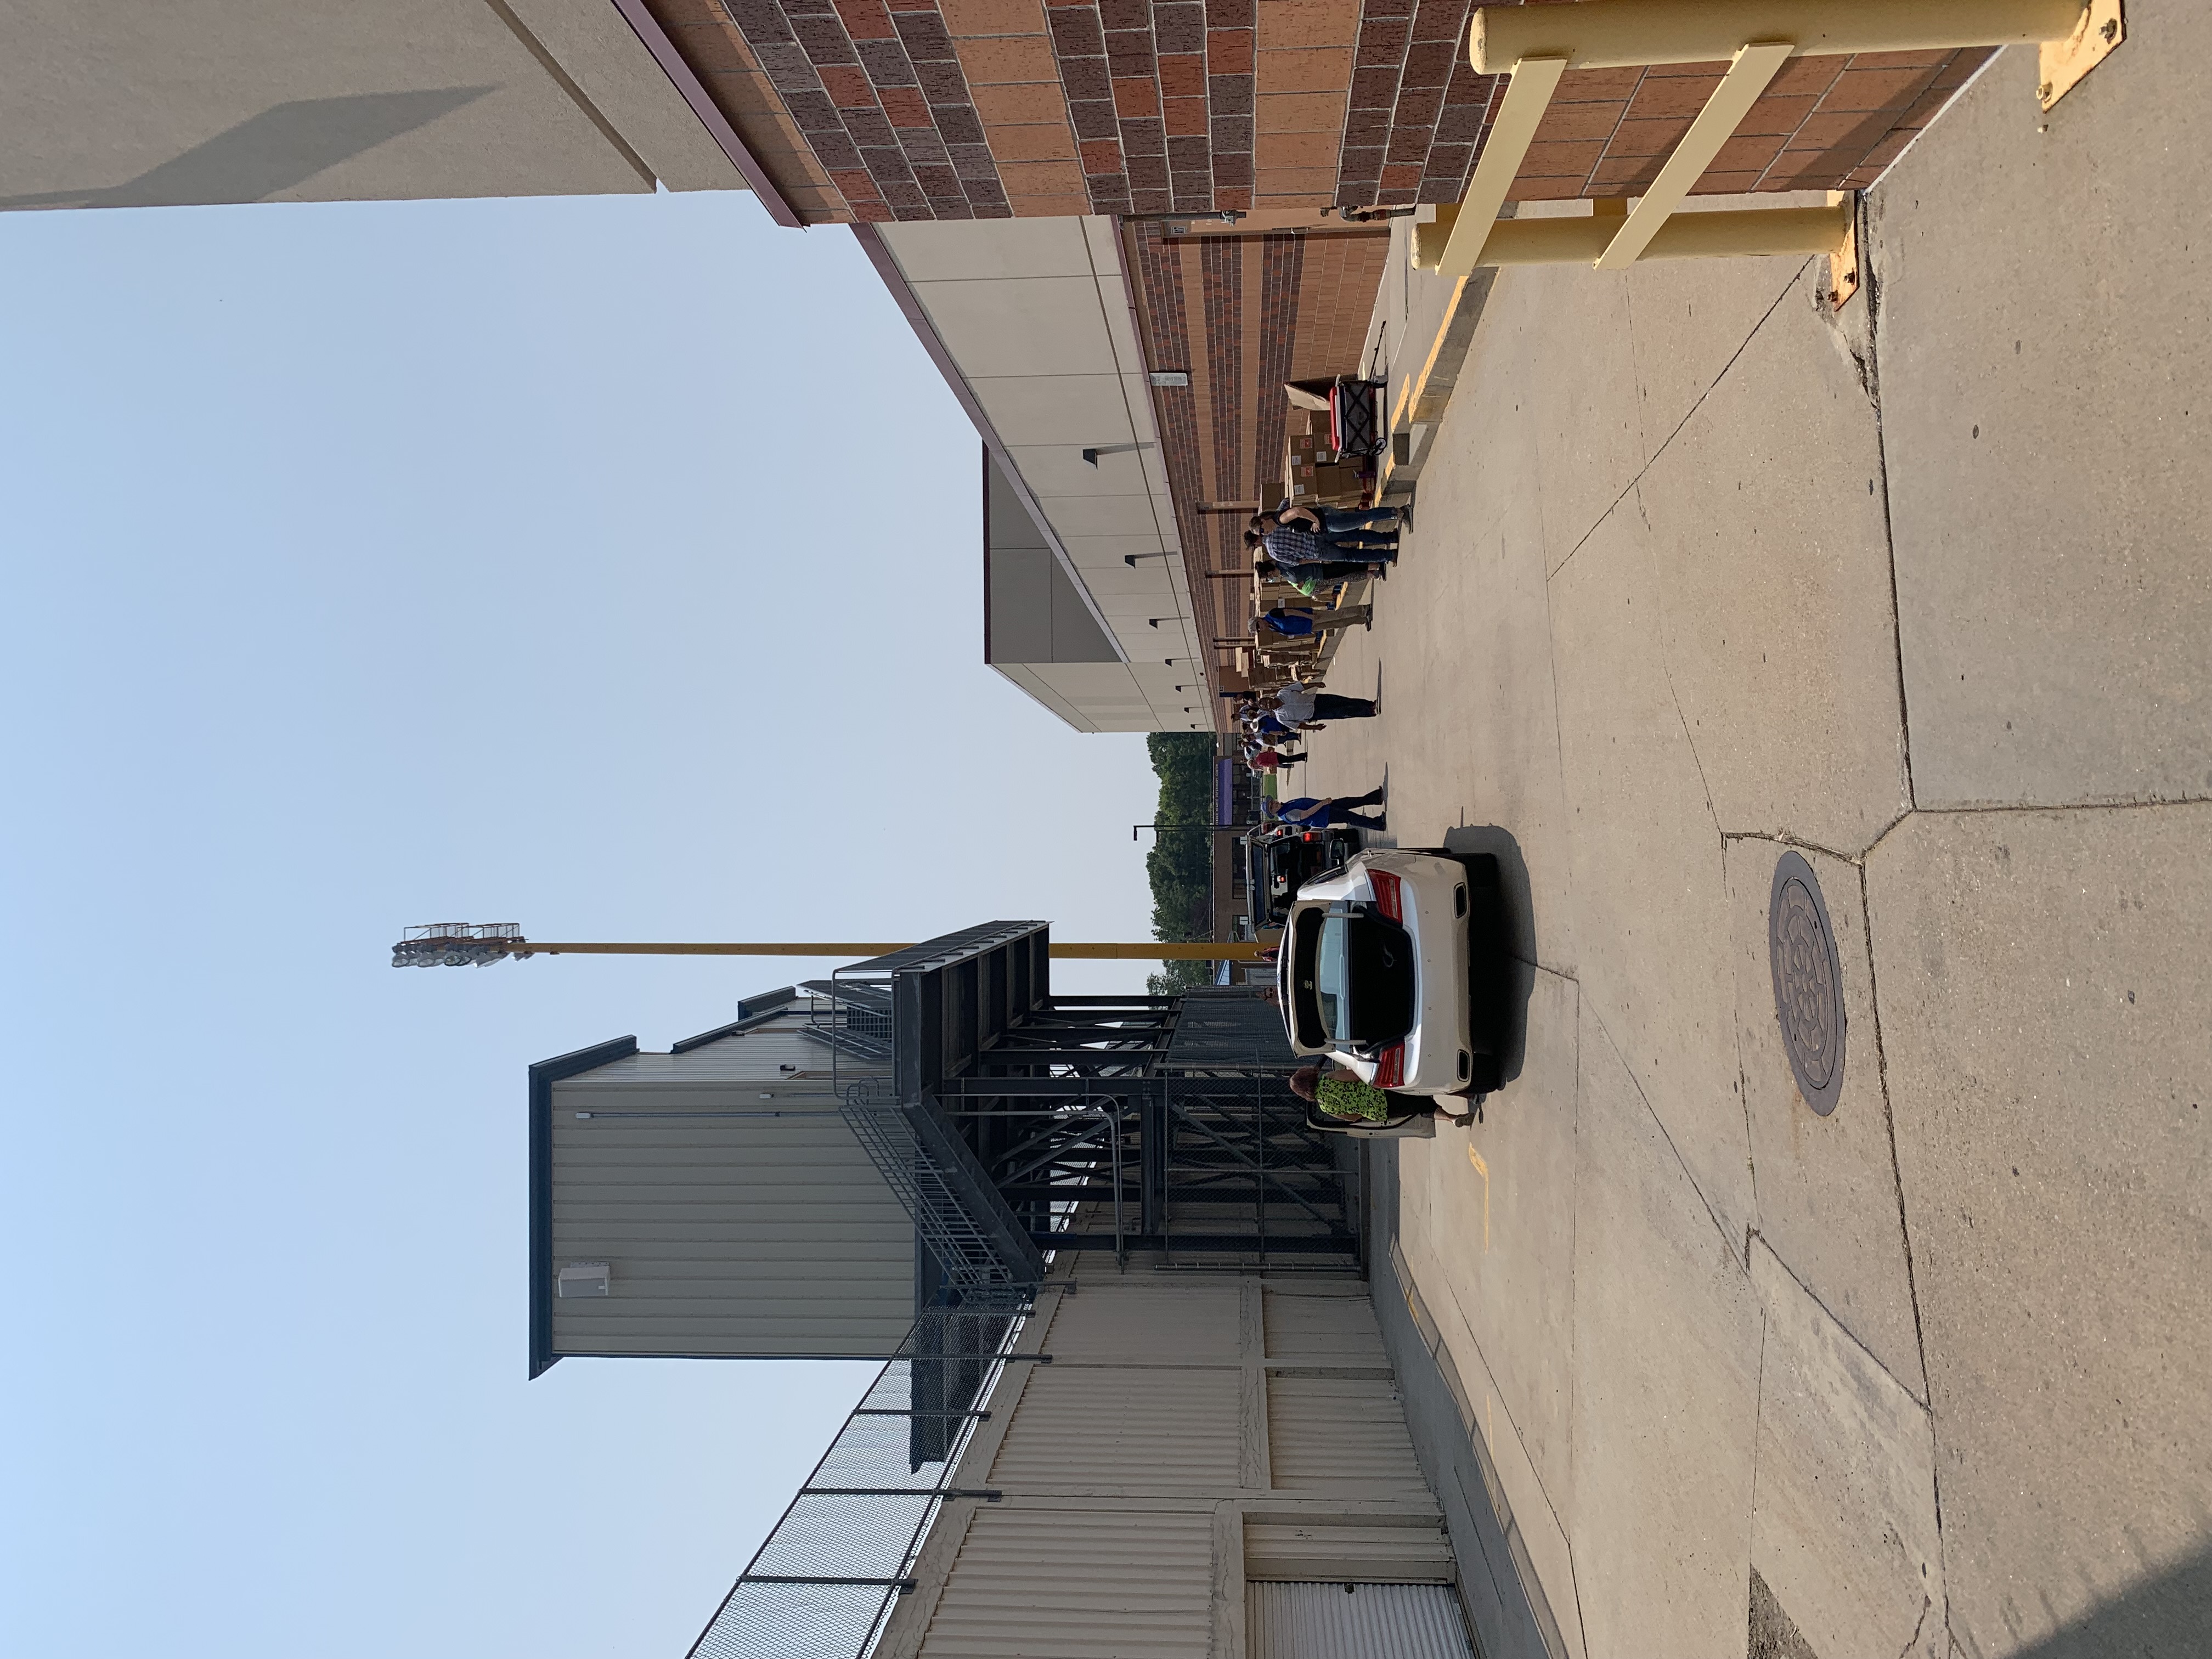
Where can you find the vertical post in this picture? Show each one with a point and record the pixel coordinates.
(1528, 95)
(1153, 1128)
(1754, 66)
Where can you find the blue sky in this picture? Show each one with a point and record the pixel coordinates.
(607, 566)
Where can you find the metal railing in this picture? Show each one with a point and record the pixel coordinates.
(973, 1256)
(823, 1584)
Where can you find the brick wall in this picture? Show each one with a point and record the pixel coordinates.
(1822, 124)
(1241, 314)
(960, 109)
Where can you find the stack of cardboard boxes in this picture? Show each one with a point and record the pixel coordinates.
(1314, 475)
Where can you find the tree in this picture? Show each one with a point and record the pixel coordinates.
(1181, 862)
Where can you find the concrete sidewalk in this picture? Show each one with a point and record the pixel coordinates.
(1703, 572)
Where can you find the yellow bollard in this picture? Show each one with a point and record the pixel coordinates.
(1621, 34)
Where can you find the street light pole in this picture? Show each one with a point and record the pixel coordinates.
(460, 944)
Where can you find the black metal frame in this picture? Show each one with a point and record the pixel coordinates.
(1019, 1122)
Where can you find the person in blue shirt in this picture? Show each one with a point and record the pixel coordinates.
(1302, 621)
(1325, 811)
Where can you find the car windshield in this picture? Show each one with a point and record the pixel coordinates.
(1330, 986)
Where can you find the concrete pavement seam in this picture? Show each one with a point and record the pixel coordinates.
(1871, 379)
(1652, 459)
(1758, 1413)
(1903, 1227)
(1636, 1082)
(1875, 845)
(1857, 1341)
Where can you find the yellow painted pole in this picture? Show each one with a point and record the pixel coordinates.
(1155, 951)
(1736, 233)
(1528, 95)
(1618, 34)
(1754, 66)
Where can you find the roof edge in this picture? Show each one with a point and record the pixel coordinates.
(543, 1076)
(751, 1010)
(693, 91)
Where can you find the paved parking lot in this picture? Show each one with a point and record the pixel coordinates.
(1704, 573)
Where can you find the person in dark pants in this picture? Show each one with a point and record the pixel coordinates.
(1296, 705)
(1295, 546)
(1322, 811)
(1300, 623)
(1357, 528)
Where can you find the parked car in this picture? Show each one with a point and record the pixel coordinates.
(1397, 965)
(1281, 858)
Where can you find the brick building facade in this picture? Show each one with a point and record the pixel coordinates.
(877, 110)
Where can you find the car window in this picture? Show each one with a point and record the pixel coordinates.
(1329, 985)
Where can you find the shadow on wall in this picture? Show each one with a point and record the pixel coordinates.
(1520, 926)
(276, 150)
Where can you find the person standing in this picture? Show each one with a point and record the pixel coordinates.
(1357, 529)
(1297, 545)
(1323, 811)
(1298, 704)
(1300, 623)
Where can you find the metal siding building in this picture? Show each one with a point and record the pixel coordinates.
(1166, 1487)
(1140, 1381)
(734, 1212)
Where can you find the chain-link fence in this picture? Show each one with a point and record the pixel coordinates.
(824, 1582)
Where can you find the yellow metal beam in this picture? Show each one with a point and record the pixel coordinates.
(1754, 66)
(1528, 95)
(1735, 233)
(1618, 34)
(1154, 951)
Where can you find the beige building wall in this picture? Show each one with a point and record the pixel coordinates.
(1031, 319)
(192, 101)
(1186, 1442)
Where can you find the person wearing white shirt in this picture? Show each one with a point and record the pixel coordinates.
(1300, 705)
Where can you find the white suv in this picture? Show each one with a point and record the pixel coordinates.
(1395, 965)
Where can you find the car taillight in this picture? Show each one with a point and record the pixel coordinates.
(1390, 1067)
(1387, 897)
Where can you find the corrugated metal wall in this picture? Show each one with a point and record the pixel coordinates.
(1153, 1431)
(1346, 1432)
(1145, 1322)
(1347, 1429)
(1079, 1584)
(1136, 1495)
(728, 1234)
(1323, 1330)
(1377, 1621)
(1308, 1550)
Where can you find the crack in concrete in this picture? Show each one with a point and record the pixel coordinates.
(1783, 838)
(1919, 1625)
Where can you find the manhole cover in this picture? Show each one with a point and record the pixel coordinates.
(1808, 987)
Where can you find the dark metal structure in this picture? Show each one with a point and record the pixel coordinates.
(1016, 1121)
(1013, 1123)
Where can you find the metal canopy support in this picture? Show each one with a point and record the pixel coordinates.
(1017, 1123)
